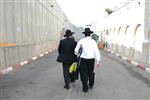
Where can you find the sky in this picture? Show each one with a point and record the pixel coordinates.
(84, 12)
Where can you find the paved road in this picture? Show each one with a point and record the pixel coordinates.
(43, 80)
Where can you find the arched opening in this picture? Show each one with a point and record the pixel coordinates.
(119, 40)
(136, 29)
(128, 37)
(138, 38)
(114, 30)
(107, 32)
(126, 29)
(110, 30)
(119, 30)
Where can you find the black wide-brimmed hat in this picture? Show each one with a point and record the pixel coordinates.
(87, 31)
(68, 33)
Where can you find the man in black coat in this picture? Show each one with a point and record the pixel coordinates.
(67, 57)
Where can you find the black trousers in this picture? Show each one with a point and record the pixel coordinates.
(67, 76)
(87, 74)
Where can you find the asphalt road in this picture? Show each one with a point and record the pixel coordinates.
(43, 80)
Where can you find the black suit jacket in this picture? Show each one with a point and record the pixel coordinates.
(66, 51)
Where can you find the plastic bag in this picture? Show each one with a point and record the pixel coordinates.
(72, 68)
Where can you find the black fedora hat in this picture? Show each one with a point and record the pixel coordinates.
(87, 31)
(68, 33)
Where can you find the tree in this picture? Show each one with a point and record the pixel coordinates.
(109, 11)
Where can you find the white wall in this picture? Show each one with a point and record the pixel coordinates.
(128, 28)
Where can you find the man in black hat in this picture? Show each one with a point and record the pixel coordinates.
(90, 53)
(67, 57)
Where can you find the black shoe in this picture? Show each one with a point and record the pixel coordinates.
(85, 90)
(90, 87)
(73, 80)
(67, 87)
(76, 76)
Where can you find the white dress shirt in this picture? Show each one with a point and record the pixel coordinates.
(90, 49)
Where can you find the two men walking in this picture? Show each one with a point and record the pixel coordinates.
(90, 53)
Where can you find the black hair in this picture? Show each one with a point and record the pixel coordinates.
(87, 34)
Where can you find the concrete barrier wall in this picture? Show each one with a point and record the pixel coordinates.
(15, 54)
(146, 43)
(28, 28)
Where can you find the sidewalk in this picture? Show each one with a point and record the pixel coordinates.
(21, 64)
(139, 65)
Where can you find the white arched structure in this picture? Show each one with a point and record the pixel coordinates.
(130, 30)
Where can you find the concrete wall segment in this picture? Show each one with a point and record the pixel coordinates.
(147, 17)
(33, 26)
(2, 56)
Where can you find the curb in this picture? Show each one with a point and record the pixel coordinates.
(21, 64)
(141, 66)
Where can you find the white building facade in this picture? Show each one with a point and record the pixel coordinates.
(127, 30)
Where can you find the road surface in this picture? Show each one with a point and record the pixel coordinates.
(43, 80)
